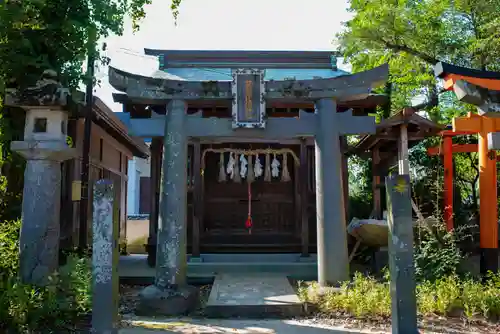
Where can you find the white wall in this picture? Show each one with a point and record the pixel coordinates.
(137, 168)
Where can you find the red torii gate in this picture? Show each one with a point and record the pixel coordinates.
(447, 149)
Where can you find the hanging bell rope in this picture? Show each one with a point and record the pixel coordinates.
(285, 174)
(249, 221)
(222, 169)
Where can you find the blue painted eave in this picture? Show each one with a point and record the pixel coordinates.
(224, 74)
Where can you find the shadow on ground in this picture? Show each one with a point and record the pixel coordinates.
(236, 326)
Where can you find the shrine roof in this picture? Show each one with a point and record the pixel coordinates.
(441, 70)
(278, 65)
(238, 59)
(387, 133)
(113, 124)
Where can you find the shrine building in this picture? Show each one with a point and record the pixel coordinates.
(247, 152)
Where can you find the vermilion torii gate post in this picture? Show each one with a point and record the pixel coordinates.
(249, 94)
(447, 149)
(482, 89)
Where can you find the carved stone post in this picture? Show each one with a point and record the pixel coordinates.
(333, 261)
(104, 260)
(44, 148)
(171, 295)
(399, 214)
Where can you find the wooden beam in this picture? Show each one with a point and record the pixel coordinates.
(455, 148)
(345, 175)
(456, 133)
(476, 123)
(155, 173)
(377, 199)
(451, 79)
(197, 198)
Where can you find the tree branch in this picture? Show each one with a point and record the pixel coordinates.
(418, 54)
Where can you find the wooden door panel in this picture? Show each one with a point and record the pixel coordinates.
(226, 203)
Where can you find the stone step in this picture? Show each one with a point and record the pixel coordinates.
(252, 296)
(135, 266)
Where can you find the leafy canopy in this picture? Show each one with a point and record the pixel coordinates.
(55, 34)
(413, 35)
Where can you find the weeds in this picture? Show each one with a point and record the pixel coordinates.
(27, 308)
(447, 296)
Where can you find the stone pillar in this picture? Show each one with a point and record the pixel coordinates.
(170, 295)
(44, 148)
(399, 219)
(333, 260)
(104, 260)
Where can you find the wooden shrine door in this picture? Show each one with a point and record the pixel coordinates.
(273, 208)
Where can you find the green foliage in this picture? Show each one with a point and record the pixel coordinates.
(25, 308)
(448, 296)
(437, 253)
(36, 35)
(413, 35)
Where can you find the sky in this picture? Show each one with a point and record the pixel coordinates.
(223, 25)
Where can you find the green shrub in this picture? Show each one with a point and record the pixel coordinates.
(27, 308)
(437, 252)
(446, 296)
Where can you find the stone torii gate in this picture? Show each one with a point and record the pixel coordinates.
(249, 93)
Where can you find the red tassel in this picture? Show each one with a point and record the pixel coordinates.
(248, 223)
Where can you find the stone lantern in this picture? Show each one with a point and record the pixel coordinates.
(44, 147)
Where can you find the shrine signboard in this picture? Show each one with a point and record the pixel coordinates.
(249, 106)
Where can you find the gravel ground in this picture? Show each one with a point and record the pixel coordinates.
(129, 299)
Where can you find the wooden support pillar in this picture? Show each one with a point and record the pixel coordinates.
(488, 211)
(155, 162)
(303, 179)
(197, 198)
(345, 175)
(377, 198)
(404, 163)
(448, 182)
(488, 226)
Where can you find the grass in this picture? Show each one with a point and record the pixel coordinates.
(449, 296)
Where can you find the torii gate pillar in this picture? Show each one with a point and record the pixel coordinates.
(488, 211)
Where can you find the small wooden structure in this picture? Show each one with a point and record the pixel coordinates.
(480, 88)
(389, 146)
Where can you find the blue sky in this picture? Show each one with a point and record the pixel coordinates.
(224, 25)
